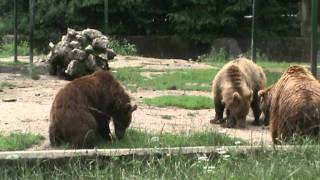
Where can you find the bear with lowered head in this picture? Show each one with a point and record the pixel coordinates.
(292, 105)
(235, 88)
(82, 110)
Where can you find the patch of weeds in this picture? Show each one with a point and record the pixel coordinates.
(6, 49)
(142, 139)
(168, 117)
(7, 84)
(122, 46)
(186, 102)
(190, 114)
(19, 141)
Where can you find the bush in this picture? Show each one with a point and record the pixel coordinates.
(122, 47)
(7, 49)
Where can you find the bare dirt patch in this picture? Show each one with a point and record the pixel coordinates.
(30, 111)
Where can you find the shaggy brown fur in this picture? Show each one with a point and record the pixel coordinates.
(83, 108)
(292, 105)
(235, 88)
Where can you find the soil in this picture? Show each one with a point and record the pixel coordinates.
(32, 99)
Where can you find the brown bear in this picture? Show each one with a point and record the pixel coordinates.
(83, 108)
(292, 105)
(235, 88)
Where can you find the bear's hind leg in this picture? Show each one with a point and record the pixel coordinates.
(83, 139)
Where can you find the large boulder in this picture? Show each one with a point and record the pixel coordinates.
(79, 53)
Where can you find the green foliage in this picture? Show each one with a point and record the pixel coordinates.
(6, 84)
(200, 21)
(7, 49)
(19, 141)
(186, 102)
(141, 139)
(122, 47)
(191, 79)
(298, 163)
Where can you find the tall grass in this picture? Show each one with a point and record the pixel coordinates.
(19, 141)
(6, 49)
(299, 163)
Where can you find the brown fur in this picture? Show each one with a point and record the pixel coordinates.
(292, 104)
(83, 108)
(235, 88)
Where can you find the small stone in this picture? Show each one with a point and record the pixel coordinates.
(9, 100)
(51, 45)
(77, 54)
(71, 32)
(75, 44)
(91, 33)
(111, 54)
(37, 94)
(100, 43)
(89, 49)
(82, 39)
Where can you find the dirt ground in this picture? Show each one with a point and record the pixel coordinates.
(30, 111)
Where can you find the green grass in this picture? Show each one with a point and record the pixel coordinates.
(168, 117)
(6, 84)
(177, 79)
(6, 49)
(189, 79)
(300, 163)
(186, 102)
(19, 141)
(140, 139)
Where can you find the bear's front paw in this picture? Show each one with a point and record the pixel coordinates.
(217, 121)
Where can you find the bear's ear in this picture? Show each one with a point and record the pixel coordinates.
(236, 97)
(261, 93)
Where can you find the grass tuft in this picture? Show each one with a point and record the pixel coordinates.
(19, 141)
(186, 102)
(139, 139)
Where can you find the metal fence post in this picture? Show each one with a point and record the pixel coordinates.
(253, 31)
(15, 31)
(31, 26)
(106, 6)
(314, 37)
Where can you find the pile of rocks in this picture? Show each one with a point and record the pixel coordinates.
(79, 53)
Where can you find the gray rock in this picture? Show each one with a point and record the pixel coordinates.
(75, 44)
(82, 39)
(111, 54)
(89, 49)
(77, 54)
(71, 32)
(100, 43)
(91, 33)
(103, 56)
(91, 63)
(65, 39)
(51, 46)
(76, 69)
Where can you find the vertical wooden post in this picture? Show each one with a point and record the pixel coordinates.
(106, 8)
(253, 31)
(31, 29)
(314, 37)
(15, 31)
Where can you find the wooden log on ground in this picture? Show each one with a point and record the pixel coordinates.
(89, 153)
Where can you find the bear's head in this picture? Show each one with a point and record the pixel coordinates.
(238, 107)
(265, 105)
(122, 119)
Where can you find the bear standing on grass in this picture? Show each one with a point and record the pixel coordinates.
(235, 88)
(83, 108)
(292, 105)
